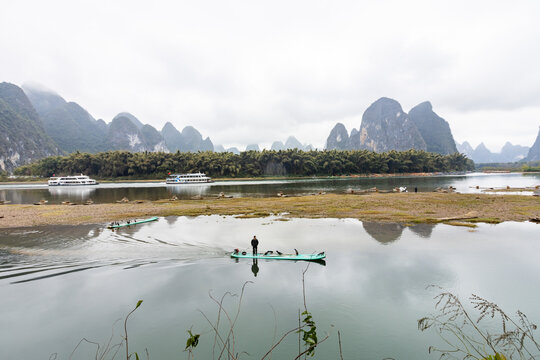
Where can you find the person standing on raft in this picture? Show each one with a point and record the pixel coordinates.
(254, 244)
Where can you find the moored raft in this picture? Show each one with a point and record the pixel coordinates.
(133, 223)
(304, 257)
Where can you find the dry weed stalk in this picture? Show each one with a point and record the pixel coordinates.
(109, 350)
(467, 339)
(225, 340)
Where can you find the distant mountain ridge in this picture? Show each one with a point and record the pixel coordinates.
(36, 122)
(190, 139)
(290, 143)
(124, 133)
(74, 129)
(482, 155)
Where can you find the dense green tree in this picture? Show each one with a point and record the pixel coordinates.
(293, 162)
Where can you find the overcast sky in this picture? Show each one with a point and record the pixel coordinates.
(258, 71)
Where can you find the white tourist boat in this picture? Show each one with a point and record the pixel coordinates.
(196, 178)
(76, 180)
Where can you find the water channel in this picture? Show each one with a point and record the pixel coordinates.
(111, 192)
(60, 284)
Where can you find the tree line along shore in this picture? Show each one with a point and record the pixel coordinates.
(406, 208)
(249, 164)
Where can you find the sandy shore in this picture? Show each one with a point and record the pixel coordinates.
(393, 207)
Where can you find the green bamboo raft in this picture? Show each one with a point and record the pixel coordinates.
(304, 257)
(133, 223)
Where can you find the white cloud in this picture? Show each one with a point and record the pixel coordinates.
(245, 71)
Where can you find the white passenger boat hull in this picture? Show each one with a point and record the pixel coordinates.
(80, 180)
(82, 184)
(185, 179)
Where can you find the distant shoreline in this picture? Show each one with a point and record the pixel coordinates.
(374, 175)
(407, 208)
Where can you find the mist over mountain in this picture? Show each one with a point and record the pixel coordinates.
(233, 150)
(465, 148)
(253, 147)
(190, 139)
(67, 123)
(293, 143)
(277, 145)
(481, 154)
(74, 129)
(290, 143)
(219, 148)
(22, 134)
(513, 153)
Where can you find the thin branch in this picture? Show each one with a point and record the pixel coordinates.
(305, 351)
(280, 340)
(339, 342)
(217, 333)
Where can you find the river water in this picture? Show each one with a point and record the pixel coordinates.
(60, 284)
(111, 192)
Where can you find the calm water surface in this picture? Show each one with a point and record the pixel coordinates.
(111, 192)
(61, 284)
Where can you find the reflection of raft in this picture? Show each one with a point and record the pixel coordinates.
(305, 257)
(133, 223)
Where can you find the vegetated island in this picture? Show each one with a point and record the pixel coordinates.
(249, 164)
(406, 208)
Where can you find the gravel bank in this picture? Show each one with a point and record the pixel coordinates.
(393, 207)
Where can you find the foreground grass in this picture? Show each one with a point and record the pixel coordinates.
(394, 207)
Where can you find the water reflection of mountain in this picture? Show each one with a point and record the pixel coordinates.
(80, 193)
(171, 220)
(423, 230)
(384, 233)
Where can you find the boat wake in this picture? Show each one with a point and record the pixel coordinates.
(45, 253)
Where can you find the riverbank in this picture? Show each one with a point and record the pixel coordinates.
(35, 180)
(392, 207)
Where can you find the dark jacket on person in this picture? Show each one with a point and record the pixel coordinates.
(254, 242)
